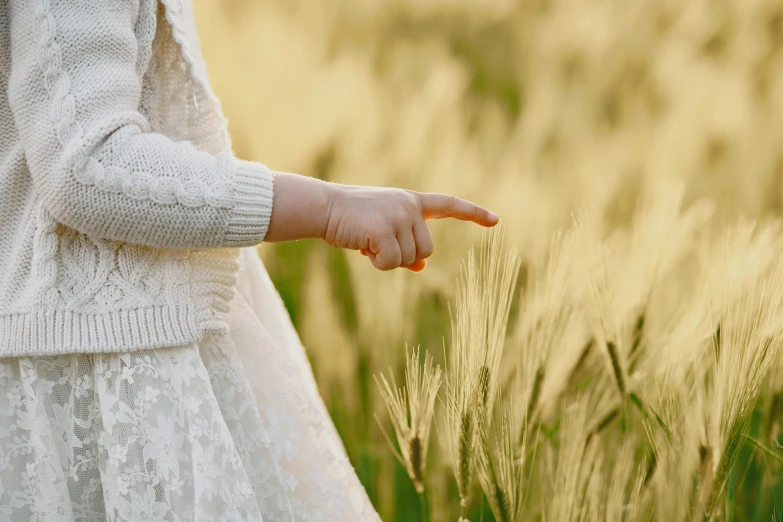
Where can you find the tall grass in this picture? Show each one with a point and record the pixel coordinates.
(662, 440)
(659, 439)
(639, 374)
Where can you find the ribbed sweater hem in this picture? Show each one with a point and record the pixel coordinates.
(63, 331)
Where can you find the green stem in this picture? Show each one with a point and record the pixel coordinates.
(637, 334)
(423, 509)
(617, 368)
(586, 349)
(605, 421)
(532, 403)
(535, 391)
(757, 511)
(730, 498)
(764, 449)
(500, 498)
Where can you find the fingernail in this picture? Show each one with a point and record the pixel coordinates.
(494, 217)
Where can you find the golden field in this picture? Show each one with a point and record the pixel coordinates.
(628, 147)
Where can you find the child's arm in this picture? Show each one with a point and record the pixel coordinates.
(385, 224)
(74, 90)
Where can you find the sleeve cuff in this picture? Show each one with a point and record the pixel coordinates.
(253, 195)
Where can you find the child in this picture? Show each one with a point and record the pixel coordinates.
(148, 370)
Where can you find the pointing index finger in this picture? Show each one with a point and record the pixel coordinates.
(438, 206)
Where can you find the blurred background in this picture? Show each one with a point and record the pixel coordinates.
(533, 108)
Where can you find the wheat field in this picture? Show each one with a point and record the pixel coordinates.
(612, 352)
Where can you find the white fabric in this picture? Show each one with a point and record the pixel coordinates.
(230, 429)
(122, 208)
(135, 382)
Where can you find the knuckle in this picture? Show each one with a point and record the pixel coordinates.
(411, 201)
(383, 231)
(388, 259)
(386, 266)
(398, 219)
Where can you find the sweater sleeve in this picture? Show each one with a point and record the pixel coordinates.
(74, 90)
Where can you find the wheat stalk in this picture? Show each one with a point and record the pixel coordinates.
(483, 302)
(411, 410)
(499, 471)
(750, 336)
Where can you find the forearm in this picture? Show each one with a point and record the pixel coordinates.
(300, 209)
(160, 194)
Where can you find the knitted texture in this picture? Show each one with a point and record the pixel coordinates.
(122, 208)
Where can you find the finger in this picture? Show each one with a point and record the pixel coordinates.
(418, 265)
(387, 253)
(439, 206)
(363, 251)
(423, 238)
(407, 247)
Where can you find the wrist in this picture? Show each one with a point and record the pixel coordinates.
(301, 207)
(332, 193)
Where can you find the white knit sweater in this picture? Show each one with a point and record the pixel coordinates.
(122, 209)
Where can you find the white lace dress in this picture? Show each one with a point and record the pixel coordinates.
(230, 429)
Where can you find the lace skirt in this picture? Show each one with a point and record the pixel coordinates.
(232, 428)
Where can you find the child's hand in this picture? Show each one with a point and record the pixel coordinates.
(385, 224)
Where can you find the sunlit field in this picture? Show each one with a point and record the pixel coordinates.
(613, 351)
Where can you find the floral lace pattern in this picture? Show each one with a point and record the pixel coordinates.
(229, 429)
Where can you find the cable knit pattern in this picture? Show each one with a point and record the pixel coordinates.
(133, 208)
(55, 79)
(145, 34)
(166, 190)
(45, 267)
(137, 185)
